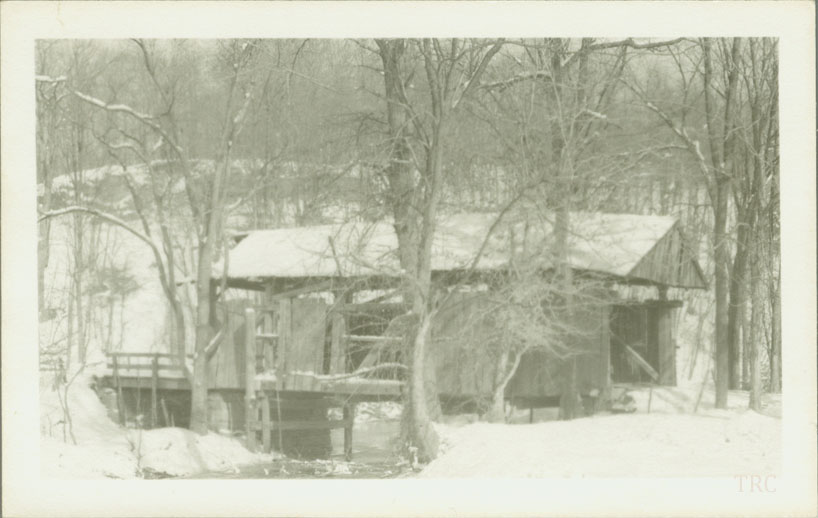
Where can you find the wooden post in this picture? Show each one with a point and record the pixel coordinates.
(337, 349)
(666, 347)
(278, 423)
(267, 327)
(349, 417)
(250, 417)
(284, 340)
(119, 405)
(138, 392)
(154, 388)
(266, 431)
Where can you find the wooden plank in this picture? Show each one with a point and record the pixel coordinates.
(291, 403)
(365, 308)
(641, 362)
(363, 389)
(342, 388)
(306, 349)
(180, 383)
(143, 355)
(141, 373)
(459, 333)
(373, 339)
(292, 293)
(250, 375)
(284, 426)
(147, 366)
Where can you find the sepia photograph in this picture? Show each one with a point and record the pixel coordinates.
(411, 258)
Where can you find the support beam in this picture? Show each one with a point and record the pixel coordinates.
(338, 344)
(250, 376)
(266, 429)
(642, 363)
(154, 387)
(284, 341)
(349, 418)
(267, 329)
(120, 407)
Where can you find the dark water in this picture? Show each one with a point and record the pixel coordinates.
(373, 456)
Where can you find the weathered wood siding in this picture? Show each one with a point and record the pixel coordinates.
(648, 329)
(465, 343)
(662, 321)
(305, 350)
(226, 369)
(541, 374)
(301, 327)
(629, 327)
(462, 334)
(671, 263)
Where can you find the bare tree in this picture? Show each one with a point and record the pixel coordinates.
(737, 157)
(418, 131)
(162, 134)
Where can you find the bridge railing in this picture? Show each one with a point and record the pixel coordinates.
(145, 365)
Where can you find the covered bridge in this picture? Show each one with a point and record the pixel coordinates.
(357, 264)
(320, 308)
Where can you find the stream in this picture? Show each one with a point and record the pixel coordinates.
(373, 456)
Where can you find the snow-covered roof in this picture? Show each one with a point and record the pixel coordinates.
(612, 244)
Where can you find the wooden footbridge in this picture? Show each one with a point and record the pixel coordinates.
(279, 368)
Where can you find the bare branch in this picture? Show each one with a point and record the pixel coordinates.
(102, 215)
(475, 78)
(359, 372)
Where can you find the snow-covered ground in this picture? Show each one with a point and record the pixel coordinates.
(670, 441)
(104, 449)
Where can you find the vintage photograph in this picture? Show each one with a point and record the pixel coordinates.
(409, 258)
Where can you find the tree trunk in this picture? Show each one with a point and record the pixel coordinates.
(775, 358)
(722, 257)
(721, 154)
(754, 347)
(430, 383)
(496, 411)
(409, 206)
(735, 313)
(198, 407)
(42, 256)
(79, 266)
(570, 400)
(747, 335)
(422, 434)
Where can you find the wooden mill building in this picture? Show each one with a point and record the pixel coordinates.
(312, 310)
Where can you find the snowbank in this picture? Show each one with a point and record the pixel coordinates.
(104, 449)
(636, 445)
(180, 452)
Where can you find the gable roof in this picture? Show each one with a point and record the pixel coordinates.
(632, 248)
